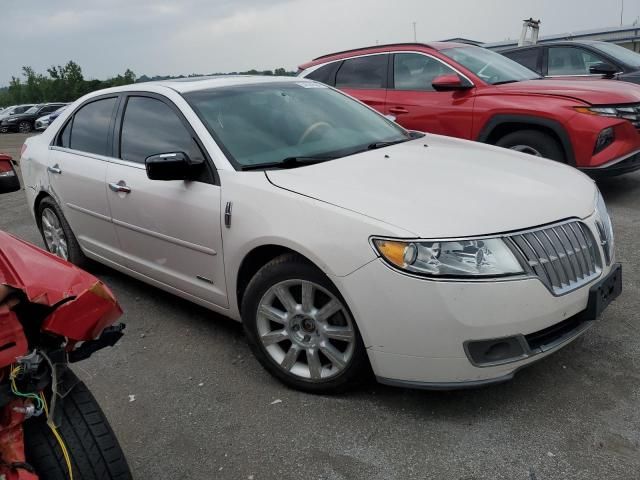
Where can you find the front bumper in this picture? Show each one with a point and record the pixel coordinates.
(619, 166)
(416, 330)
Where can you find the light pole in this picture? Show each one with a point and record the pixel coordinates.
(621, 12)
(415, 39)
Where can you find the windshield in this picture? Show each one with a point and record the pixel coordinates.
(267, 123)
(490, 66)
(625, 55)
(33, 109)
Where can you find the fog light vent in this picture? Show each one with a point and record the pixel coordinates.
(484, 353)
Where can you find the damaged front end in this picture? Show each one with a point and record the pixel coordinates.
(51, 314)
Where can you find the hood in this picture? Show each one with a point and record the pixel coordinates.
(449, 188)
(591, 91)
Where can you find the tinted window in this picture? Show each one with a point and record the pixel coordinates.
(363, 72)
(65, 136)
(572, 61)
(48, 109)
(527, 57)
(325, 74)
(90, 129)
(151, 127)
(412, 71)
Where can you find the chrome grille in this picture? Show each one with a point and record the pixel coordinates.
(564, 256)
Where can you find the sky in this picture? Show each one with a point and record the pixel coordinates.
(155, 37)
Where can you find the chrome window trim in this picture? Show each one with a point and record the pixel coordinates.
(101, 158)
(309, 70)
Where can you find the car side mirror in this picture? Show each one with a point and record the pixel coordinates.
(602, 68)
(172, 166)
(9, 181)
(443, 83)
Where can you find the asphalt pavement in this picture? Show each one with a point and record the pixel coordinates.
(188, 401)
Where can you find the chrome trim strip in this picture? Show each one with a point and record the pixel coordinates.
(88, 212)
(166, 238)
(102, 158)
(613, 162)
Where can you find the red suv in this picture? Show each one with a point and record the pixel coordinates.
(473, 93)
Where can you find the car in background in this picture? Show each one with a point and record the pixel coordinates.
(43, 122)
(344, 243)
(473, 93)
(579, 59)
(12, 110)
(25, 122)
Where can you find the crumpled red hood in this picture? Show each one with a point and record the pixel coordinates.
(84, 305)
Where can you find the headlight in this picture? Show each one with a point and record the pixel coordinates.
(605, 228)
(602, 111)
(487, 257)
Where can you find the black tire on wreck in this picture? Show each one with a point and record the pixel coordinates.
(94, 450)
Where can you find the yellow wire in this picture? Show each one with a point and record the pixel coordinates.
(54, 430)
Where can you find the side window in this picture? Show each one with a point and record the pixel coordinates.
(90, 128)
(412, 71)
(325, 74)
(571, 61)
(363, 72)
(150, 127)
(527, 57)
(65, 136)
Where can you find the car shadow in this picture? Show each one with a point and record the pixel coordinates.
(620, 189)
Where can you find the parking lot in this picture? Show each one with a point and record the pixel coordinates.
(188, 400)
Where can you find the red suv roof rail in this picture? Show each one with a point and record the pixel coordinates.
(402, 44)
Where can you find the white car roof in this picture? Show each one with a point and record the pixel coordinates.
(191, 84)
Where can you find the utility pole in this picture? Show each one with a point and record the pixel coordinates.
(621, 12)
(415, 38)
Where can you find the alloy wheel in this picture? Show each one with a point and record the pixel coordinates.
(526, 149)
(306, 330)
(24, 127)
(54, 236)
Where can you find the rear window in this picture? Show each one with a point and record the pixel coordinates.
(363, 72)
(527, 57)
(325, 74)
(90, 129)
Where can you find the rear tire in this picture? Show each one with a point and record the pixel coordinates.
(49, 212)
(534, 143)
(94, 450)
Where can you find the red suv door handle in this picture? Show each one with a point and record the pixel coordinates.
(398, 110)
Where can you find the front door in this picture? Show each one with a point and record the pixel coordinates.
(169, 231)
(418, 106)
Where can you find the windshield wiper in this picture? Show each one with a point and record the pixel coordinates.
(504, 82)
(289, 162)
(376, 145)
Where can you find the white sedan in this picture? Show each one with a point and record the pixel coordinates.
(345, 244)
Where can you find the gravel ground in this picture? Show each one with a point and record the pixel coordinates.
(188, 400)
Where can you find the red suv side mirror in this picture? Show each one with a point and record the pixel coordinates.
(449, 82)
(8, 179)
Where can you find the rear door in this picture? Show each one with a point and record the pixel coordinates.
(418, 106)
(77, 168)
(169, 231)
(365, 78)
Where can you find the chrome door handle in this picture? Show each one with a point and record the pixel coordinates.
(120, 187)
(55, 169)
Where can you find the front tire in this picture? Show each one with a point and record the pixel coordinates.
(94, 450)
(300, 329)
(57, 234)
(533, 142)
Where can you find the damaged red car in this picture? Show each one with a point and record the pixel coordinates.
(52, 314)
